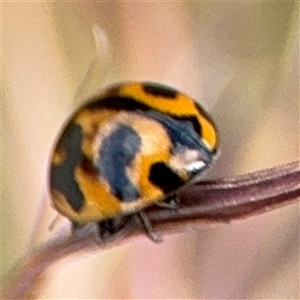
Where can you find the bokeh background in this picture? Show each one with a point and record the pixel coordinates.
(239, 59)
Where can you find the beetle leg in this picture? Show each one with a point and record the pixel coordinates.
(155, 237)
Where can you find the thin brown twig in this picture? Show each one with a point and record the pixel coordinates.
(221, 200)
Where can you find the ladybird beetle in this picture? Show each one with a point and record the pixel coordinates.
(127, 148)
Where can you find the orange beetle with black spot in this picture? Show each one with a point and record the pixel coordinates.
(129, 147)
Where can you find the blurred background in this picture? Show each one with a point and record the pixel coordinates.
(239, 59)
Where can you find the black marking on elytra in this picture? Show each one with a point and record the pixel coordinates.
(117, 152)
(130, 104)
(192, 120)
(117, 103)
(181, 131)
(62, 176)
(203, 112)
(165, 178)
(156, 89)
(183, 137)
(206, 116)
(88, 167)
